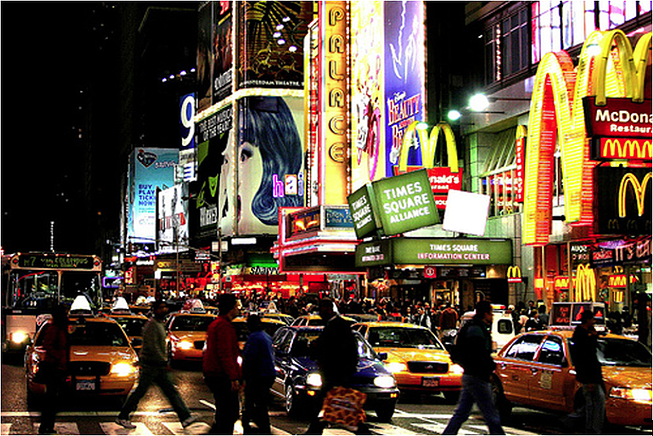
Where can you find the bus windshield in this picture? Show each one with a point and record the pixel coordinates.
(34, 289)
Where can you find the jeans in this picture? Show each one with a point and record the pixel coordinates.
(155, 375)
(54, 398)
(257, 400)
(227, 404)
(475, 390)
(594, 409)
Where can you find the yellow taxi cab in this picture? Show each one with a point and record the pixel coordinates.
(315, 320)
(132, 323)
(269, 325)
(286, 319)
(101, 361)
(535, 370)
(186, 334)
(415, 356)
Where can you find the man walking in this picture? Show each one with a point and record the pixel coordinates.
(473, 353)
(336, 352)
(258, 374)
(588, 371)
(154, 363)
(222, 373)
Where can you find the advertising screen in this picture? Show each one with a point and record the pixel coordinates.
(270, 53)
(150, 168)
(270, 157)
(172, 216)
(367, 98)
(204, 56)
(222, 50)
(212, 206)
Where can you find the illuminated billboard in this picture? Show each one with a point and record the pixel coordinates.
(204, 55)
(270, 157)
(172, 216)
(222, 50)
(270, 43)
(212, 205)
(607, 68)
(388, 85)
(149, 169)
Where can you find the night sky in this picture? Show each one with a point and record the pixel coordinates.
(45, 57)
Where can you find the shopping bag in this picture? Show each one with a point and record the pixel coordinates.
(344, 406)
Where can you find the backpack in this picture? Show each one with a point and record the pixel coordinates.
(457, 349)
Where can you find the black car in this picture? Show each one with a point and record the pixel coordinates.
(298, 380)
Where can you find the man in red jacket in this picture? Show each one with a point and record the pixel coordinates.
(222, 372)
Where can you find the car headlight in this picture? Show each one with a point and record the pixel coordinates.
(185, 345)
(457, 369)
(122, 369)
(639, 395)
(19, 337)
(385, 381)
(314, 380)
(395, 367)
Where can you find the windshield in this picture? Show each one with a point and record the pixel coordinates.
(97, 333)
(191, 323)
(74, 283)
(623, 352)
(33, 289)
(404, 338)
(301, 345)
(131, 326)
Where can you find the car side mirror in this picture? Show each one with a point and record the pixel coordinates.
(383, 356)
(137, 342)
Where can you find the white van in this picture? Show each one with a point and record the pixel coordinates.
(502, 328)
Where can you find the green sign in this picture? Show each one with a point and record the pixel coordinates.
(56, 261)
(361, 206)
(405, 202)
(434, 251)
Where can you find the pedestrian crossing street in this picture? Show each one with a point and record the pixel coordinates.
(425, 424)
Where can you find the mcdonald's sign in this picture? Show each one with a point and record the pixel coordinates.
(623, 201)
(520, 148)
(615, 70)
(620, 117)
(442, 179)
(621, 148)
(514, 274)
(561, 282)
(617, 281)
(585, 283)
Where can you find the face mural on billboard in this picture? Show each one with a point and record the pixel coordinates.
(367, 99)
(271, 52)
(270, 160)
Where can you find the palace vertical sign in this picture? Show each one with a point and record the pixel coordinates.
(335, 19)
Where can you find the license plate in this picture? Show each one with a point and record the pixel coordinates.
(85, 385)
(430, 382)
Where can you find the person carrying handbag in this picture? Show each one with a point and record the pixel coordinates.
(53, 367)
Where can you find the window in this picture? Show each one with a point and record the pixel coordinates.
(499, 173)
(507, 43)
(525, 347)
(504, 326)
(552, 351)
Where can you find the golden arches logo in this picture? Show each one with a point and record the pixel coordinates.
(513, 274)
(639, 190)
(585, 283)
(615, 70)
(617, 281)
(621, 148)
(417, 131)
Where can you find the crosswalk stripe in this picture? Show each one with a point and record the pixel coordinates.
(384, 428)
(111, 428)
(6, 428)
(193, 429)
(60, 427)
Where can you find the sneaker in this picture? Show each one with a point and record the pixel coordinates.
(188, 421)
(125, 423)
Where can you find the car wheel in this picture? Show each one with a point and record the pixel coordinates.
(290, 398)
(500, 401)
(385, 411)
(451, 397)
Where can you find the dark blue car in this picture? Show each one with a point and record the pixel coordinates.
(298, 380)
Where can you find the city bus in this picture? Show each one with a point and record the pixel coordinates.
(35, 283)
